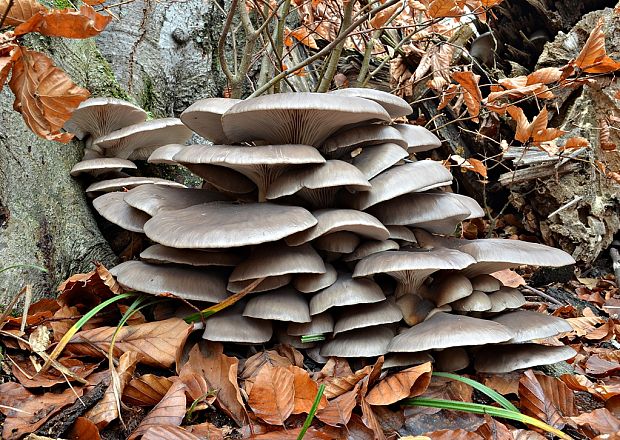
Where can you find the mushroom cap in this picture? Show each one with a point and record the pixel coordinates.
(158, 254)
(334, 220)
(143, 137)
(269, 283)
(154, 199)
(449, 288)
(494, 254)
(374, 160)
(405, 359)
(403, 179)
(113, 208)
(225, 224)
(205, 117)
(414, 308)
(485, 283)
(186, 283)
(165, 154)
(95, 166)
(321, 323)
(475, 210)
(99, 116)
(435, 212)
(364, 342)
(222, 179)
(418, 138)
(444, 330)
(402, 233)
(346, 292)
(451, 359)
(362, 315)
(476, 302)
(297, 118)
(505, 298)
(272, 259)
(308, 283)
(232, 326)
(395, 106)
(342, 242)
(348, 140)
(527, 325)
(371, 247)
(128, 183)
(284, 304)
(507, 358)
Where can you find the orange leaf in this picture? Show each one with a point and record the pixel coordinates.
(535, 403)
(170, 432)
(338, 411)
(558, 393)
(490, 3)
(449, 434)
(146, 390)
(21, 11)
(272, 397)
(84, 428)
(44, 94)
(537, 129)
(303, 35)
(509, 278)
(410, 382)
(599, 421)
(478, 166)
(6, 64)
(67, 23)
(383, 16)
(305, 391)
(443, 8)
(575, 142)
(545, 75)
(472, 94)
(593, 57)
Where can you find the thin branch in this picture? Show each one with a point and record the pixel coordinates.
(334, 57)
(6, 12)
(222, 41)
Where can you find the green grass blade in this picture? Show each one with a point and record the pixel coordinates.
(313, 338)
(23, 266)
(315, 407)
(497, 397)
(477, 408)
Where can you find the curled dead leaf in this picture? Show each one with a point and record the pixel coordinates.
(272, 397)
(169, 412)
(67, 23)
(146, 390)
(410, 382)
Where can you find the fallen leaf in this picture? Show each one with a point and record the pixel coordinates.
(338, 410)
(291, 353)
(472, 94)
(272, 397)
(599, 421)
(169, 412)
(390, 421)
(544, 75)
(509, 278)
(523, 434)
(536, 130)
(558, 393)
(254, 363)
(535, 403)
(443, 8)
(88, 289)
(21, 11)
(171, 432)
(67, 23)
(383, 16)
(593, 58)
(502, 383)
(457, 434)
(303, 35)
(207, 430)
(6, 64)
(598, 366)
(410, 382)
(25, 371)
(493, 430)
(335, 386)
(146, 390)
(84, 429)
(575, 142)
(305, 391)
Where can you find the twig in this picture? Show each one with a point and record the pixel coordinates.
(334, 57)
(6, 12)
(565, 206)
(543, 295)
(27, 300)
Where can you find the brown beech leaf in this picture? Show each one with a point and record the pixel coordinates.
(443, 8)
(524, 434)
(545, 75)
(593, 57)
(44, 94)
(410, 382)
(599, 421)
(503, 383)
(272, 397)
(305, 391)
(67, 23)
(219, 371)
(335, 386)
(170, 432)
(7, 58)
(158, 342)
(575, 142)
(534, 402)
(560, 395)
(338, 410)
(26, 412)
(598, 366)
(448, 434)
(291, 353)
(293, 434)
(146, 390)
(301, 34)
(471, 94)
(369, 419)
(537, 129)
(254, 363)
(491, 429)
(390, 420)
(84, 429)
(88, 289)
(21, 11)
(169, 412)
(207, 430)
(27, 374)
(509, 278)
(383, 16)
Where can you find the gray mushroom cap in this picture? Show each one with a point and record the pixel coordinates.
(297, 118)
(205, 118)
(476, 302)
(284, 304)
(507, 358)
(505, 298)
(418, 138)
(99, 116)
(225, 225)
(485, 283)
(527, 325)
(269, 283)
(222, 179)
(444, 330)
(103, 164)
(371, 247)
(158, 254)
(449, 288)
(308, 283)
(138, 141)
(374, 160)
(342, 242)
(321, 323)
(364, 315)
(405, 359)
(127, 183)
(345, 292)
(414, 308)
(395, 106)
(451, 359)
(154, 199)
(232, 326)
(344, 142)
(165, 154)
(401, 233)
(403, 179)
(113, 208)
(187, 283)
(364, 342)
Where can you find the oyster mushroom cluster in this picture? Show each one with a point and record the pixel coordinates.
(321, 197)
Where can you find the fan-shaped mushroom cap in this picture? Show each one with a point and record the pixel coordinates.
(308, 283)
(318, 184)
(187, 283)
(414, 308)
(285, 304)
(395, 106)
(297, 118)
(527, 325)
(342, 242)
(475, 210)
(485, 283)
(371, 247)
(451, 359)
(507, 358)
(435, 212)
(402, 233)
(96, 166)
(374, 160)
(313, 353)
(269, 283)
(360, 316)
(505, 298)
(154, 199)
(224, 225)
(262, 164)
(158, 254)
(127, 183)
(113, 208)
(444, 330)
(418, 138)
(232, 326)
(165, 154)
(405, 359)
(334, 220)
(346, 292)
(321, 323)
(139, 140)
(222, 179)
(272, 259)
(446, 308)
(494, 254)
(348, 140)
(205, 117)
(449, 288)
(99, 116)
(364, 342)
(476, 302)
(402, 179)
